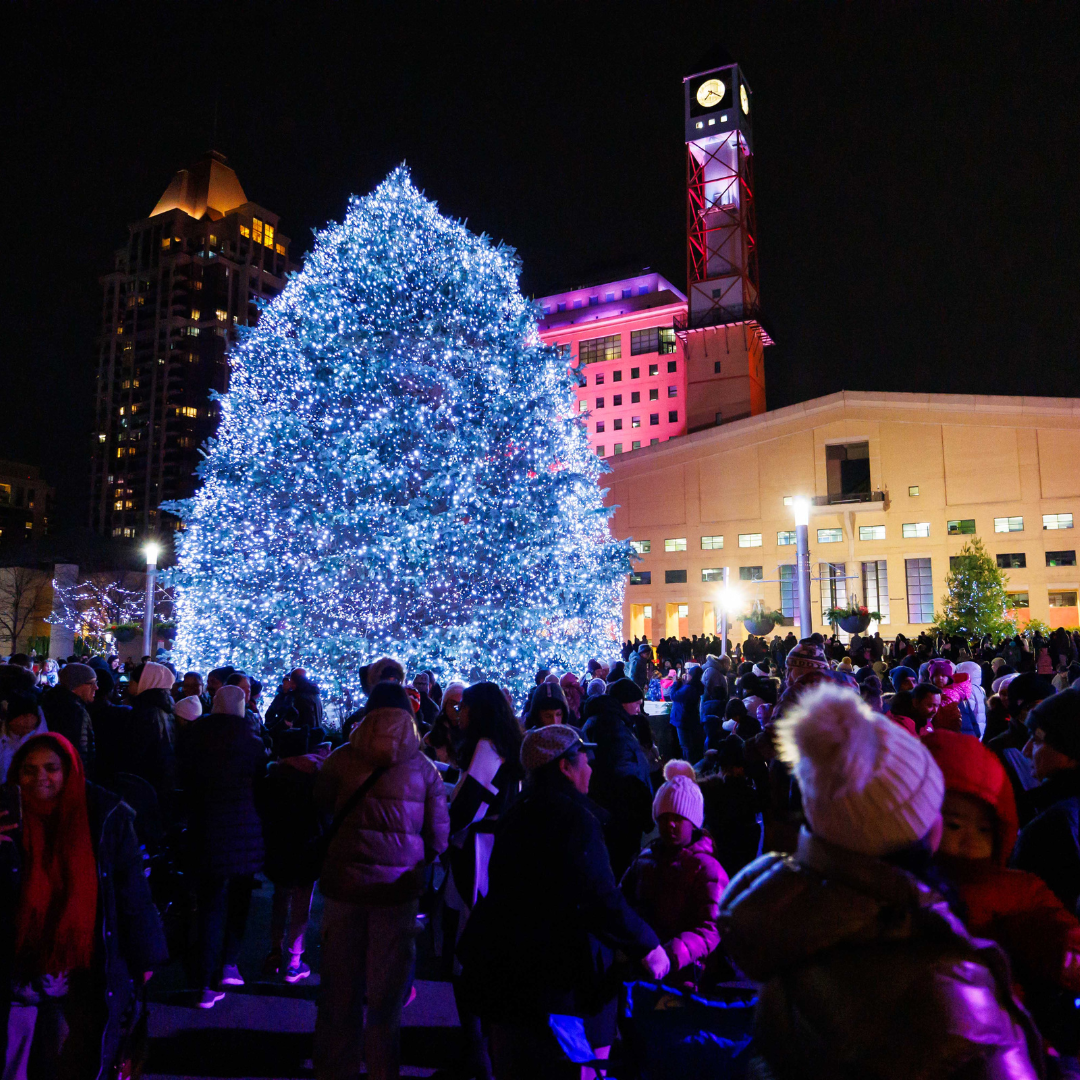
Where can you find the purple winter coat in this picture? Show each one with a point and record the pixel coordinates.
(379, 853)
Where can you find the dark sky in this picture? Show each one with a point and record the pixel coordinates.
(917, 167)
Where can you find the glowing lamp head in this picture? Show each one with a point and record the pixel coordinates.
(153, 550)
(801, 509)
(731, 599)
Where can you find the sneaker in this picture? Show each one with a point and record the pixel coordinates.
(296, 970)
(272, 965)
(210, 997)
(230, 976)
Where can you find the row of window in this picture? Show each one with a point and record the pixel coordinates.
(594, 301)
(635, 373)
(618, 448)
(1017, 560)
(635, 397)
(635, 422)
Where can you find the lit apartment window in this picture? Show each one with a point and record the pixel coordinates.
(913, 530)
(618, 448)
(871, 532)
(716, 573)
(193, 331)
(213, 240)
(830, 536)
(196, 313)
(654, 369)
(642, 547)
(1009, 524)
(1057, 521)
(654, 394)
(245, 232)
(1012, 560)
(582, 406)
(962, 527)
(913, 490)
(749, 540)
(187, 410)
(166, 243)
(257, 230)
(640, 577)
(656, 339)
(1061, 558)
(1019, 600)
(635, 445)
(712, 543)
(751, 573)
(268, 235)
(598, 349)
(784, 538)
(672, 391)
(1062, 599)
(635, 421)
(222, 316)
(279, 248)
(676, 544)
(119, 504)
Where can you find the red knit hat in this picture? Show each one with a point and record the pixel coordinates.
(970, 768)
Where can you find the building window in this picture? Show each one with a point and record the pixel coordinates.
(716, 573)
(627, 293)
(1057, 521)
(642, 547)
(616, 376)
(600, 451)
(222, 316)
(830, 536)
(671, 366)
(1061, 558)
(279, 248)
(268, 235)
(654, 394)
(833, 585)
(635, 421)
(913, 490)
(600, 427)
(847, 470)
(749, 540)
(618, 448)
(1062, 599)
(582, 406)
(618, 425)
(712, 543)
(635, 373)
(871, 532)
(196, 313)
(245, 232)
(635, 445)
(656, 339)
(716, 367)
(599, 402)
(653, 442)
(672, 391)
(1009, 524)
(654, 369)
(674, 577)
(676, 544)
(654, 419)
(594, 301)
(1013, 560)
(640, 577)
(875, 587)
(673, 416)
(962, 527)
(635, 397)
(1018, 600)
(257, 230)
(187, 410)
(751, 573)
(784, 538)
(920, 591)
(599, 349)
(599, 380)
(915, 530)
(616, 399)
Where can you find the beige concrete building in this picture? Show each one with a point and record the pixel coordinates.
(898, 483)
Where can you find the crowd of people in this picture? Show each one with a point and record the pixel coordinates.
(880, 840)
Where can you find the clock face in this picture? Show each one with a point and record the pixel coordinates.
(710, 92)
(744, 99)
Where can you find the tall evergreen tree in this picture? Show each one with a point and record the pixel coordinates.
(975, 600)
(398, 470)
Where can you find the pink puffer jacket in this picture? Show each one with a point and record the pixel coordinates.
(380, 851)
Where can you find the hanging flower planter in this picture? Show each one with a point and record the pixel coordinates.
(760, 622)
(124, 634)
(854, 624)
(854, 618)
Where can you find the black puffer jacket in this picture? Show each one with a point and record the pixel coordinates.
(221, 758)
(620, 778)
(150, 746)
(130, 940)
(66, 715)
(866, 973)
(308, 703)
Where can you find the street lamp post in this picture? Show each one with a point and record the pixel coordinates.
(152, 551)
(802, 556)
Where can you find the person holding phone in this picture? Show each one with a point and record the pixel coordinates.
(84, 930)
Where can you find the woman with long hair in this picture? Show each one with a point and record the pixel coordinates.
(84, 930)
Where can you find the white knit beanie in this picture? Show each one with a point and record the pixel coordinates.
(680, 794)
(867, 785)
(188, 708)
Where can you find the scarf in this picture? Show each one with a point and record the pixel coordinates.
(57, 914)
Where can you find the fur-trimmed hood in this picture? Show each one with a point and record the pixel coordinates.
(386, 737)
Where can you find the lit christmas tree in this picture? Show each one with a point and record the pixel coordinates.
(976, 600)
(398, 471)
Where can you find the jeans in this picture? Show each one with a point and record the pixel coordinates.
(54, 1038)
(289, 918)
(223, 913)
(365, 951)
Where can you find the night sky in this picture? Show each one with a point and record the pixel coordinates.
(917, 168)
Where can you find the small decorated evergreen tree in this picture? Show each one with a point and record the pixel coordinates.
(976, 600)
(398, 470)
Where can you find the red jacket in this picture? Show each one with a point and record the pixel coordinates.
(677, 892)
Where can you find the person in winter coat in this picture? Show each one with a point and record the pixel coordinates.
(685, 716)
(22, 722)
(1014, 908)
(372, 878)
(732, 806)
(306, 699)
(66, 709)
(221, 759)
(81, 931)
(714, 678)
(863, 969)
(446, 738)
(549, 706)
(620, 771)
(574, 694)
(292, 831)
(149, 747)
(1022, 693)
(955, 689)
(676, 882)
(973, 710)
(542, 940)
(638, 669)
(1049, 844)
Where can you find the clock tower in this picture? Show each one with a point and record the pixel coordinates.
(722, 332)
